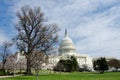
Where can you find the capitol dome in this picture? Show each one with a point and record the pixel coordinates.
(66, 46)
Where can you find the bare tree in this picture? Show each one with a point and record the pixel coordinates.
(21, 65)
(10, 65)
(38, 58)
(33, 34)
(114, 63)
(5, 53)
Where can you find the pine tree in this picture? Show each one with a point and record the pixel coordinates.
(100, 65)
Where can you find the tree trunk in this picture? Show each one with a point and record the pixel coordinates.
(37, 73)
(28, 71)
(3, 68)
(101, 71)
(20, 68)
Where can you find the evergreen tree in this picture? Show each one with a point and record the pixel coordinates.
(68, 65)
(74, 63)
(100, 64)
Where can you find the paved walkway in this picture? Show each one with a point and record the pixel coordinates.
(10, 76)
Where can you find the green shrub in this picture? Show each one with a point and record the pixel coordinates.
(68, 65)
(2, 72)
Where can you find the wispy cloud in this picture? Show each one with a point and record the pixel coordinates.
(93, 24)
(3, 36)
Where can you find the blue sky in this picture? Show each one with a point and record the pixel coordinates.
(93, 25)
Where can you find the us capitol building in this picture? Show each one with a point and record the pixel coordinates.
(65, 51)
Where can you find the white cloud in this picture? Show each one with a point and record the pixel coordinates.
(93, 24)
(101, 36)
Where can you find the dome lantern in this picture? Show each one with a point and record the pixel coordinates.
(65, 32)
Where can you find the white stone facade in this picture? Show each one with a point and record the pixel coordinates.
(66, 50)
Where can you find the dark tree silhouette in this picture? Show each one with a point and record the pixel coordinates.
(68, 65)
(33, 34)
(100, 64)
(74, 63)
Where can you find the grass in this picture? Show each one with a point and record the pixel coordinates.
(71, 76)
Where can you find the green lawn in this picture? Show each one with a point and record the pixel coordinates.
(71, 76)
